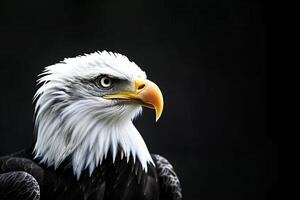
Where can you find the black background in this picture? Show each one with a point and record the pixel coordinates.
(208, 57)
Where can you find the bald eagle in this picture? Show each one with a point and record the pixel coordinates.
(86, 145)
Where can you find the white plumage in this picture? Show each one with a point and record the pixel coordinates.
(72, 120)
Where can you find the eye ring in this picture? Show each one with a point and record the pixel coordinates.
(104, 82)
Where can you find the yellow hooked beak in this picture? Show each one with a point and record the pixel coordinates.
(145, 93)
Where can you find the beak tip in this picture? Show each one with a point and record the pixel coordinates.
(156, 119)
(157, 114)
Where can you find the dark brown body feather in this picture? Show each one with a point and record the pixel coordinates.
(110, 181)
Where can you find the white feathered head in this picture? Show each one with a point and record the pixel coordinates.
(84, 110)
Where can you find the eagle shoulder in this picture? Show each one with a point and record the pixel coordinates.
(19, 185)
(170, 187)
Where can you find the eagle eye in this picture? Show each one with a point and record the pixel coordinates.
(104, 82)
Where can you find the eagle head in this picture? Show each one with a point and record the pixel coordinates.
(84, 109)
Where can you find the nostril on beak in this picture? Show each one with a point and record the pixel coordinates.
(141, 86)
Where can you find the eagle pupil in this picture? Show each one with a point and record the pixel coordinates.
(106, 81)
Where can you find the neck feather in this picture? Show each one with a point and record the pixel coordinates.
(87, 138)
